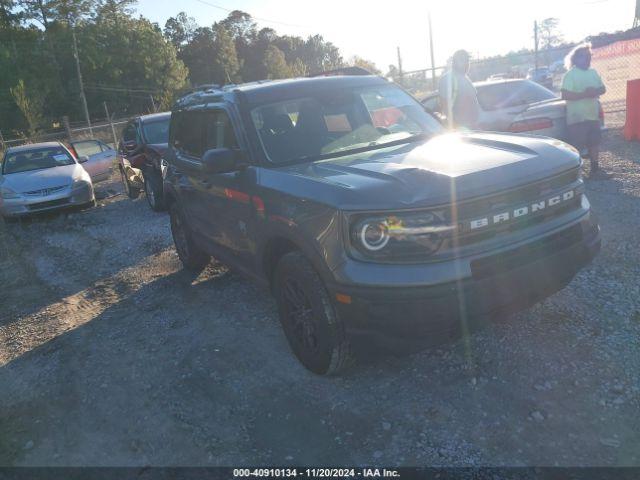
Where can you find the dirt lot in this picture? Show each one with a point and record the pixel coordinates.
(110, 354)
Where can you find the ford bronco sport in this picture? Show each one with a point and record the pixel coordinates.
(368, 221)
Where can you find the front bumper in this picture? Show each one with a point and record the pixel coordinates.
(510, 280)
(26, 205)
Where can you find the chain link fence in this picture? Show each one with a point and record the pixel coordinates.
(107, 131)
(617, 62)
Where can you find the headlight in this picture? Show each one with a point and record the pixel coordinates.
(7, 193)
(79, 183)
(399, 237)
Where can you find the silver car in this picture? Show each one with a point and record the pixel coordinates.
(40, 177)
(518, 106)
(101, 158)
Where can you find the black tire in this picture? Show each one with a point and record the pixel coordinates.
(132, 191)
(154, 191)
(191, 256)
(310, 322)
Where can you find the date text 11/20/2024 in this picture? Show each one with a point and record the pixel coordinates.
(316, 473)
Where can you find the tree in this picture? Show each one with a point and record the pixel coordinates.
(225, 60)
(113, 9)
(8, 16)
(357, 61)
(319, 55)
(275, 63)
(30, 106)
(179, 30)
(549, 33)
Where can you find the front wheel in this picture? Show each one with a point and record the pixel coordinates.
(313, 328)
(191, 256)
(153, 190)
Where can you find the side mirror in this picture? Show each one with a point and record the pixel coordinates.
(221, 160)
(83, 159)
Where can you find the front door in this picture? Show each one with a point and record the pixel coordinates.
(226, 197)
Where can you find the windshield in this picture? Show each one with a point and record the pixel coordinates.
(156, 132)
(332, 123)
(512, 94)
(36, 159)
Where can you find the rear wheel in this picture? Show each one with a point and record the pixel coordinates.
(153, 190)
(191, 256)
(313, 328)
(131, 191)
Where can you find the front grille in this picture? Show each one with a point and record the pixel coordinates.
(508, 201)
(524, 194)
(45, 191)
(50, 204)
(518, 257)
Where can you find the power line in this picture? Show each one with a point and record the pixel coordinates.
(265, 20)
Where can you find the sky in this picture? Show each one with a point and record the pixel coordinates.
(374, 29)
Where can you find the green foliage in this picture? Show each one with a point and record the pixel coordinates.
(357, 61)
(29, 105)
(126, 59)
(275, 63)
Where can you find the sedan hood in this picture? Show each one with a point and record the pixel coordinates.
(450, 167)
(40, 179)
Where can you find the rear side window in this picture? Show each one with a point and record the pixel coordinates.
(218, 130)
(186, 133)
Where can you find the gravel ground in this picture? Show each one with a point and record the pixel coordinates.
(110, 354)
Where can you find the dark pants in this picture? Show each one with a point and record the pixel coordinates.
(585, 134)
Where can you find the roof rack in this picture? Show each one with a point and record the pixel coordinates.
(342, 72)
(200, 94)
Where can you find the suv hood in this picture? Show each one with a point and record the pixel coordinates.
(39, 179)
(445, 169)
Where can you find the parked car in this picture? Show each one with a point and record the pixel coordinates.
(368, 222)
(541, 75)
(498, 76)
(144, 141)
(43, 176)
(101, 158)
(557, 67)
(516, 106)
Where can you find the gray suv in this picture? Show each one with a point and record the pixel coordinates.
(369, 222)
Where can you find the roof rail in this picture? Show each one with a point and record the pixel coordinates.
(199, 94)
(342, 72)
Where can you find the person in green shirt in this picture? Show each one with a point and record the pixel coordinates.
(581, 88)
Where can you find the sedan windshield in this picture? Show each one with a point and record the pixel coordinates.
(156, 132)
(339, 122)
(36, 159)
(494, 96)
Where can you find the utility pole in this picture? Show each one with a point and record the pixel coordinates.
(2, 142)
(400, 74)
(153, 103)
(82, 95)
(113, 130)
(535, 40)
(433, 62)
